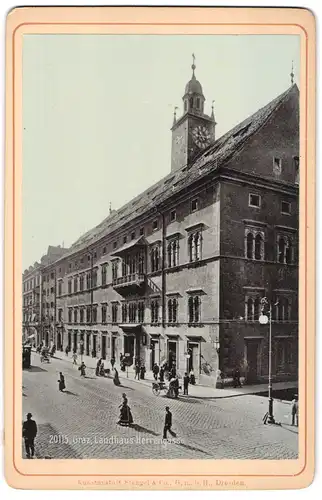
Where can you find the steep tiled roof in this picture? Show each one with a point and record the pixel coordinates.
(215, 155)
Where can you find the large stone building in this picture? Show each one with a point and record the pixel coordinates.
(37, 318)
(177, 274)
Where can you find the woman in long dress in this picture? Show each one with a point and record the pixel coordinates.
(116, 379)
(125, 413)
(61, 382)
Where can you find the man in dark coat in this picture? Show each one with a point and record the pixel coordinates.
(186, 379)
(29, 432)
(155, 371)
(168, 423)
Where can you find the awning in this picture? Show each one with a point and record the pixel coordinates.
(140, 242)
(173, 335)
(131, 327)
(195, 338)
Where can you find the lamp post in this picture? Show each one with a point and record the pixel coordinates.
(264, 318)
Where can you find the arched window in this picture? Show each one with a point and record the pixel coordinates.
(185, 105)
(249, 309)
(281, 250)
(250, 239)
(170, 310)
(174, 310)
(190, 247)
(198, 102)
(256, 308)
(197, 245)
(155, 259)
(190, 309)
(191, 102)
(197, 309)
(258, 247)
(288, 252)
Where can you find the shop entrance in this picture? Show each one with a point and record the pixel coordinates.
(194, 360)
(103, 353)
(172, 353)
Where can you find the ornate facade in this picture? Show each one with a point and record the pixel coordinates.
(177, 274)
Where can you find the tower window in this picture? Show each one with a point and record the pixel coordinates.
(173, 215)
(286, 207)
(191, 102)
(198, 102)
(185, 105)
(254, 200)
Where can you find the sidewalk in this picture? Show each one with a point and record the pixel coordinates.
(195, 391)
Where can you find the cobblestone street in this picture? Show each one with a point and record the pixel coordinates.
(82, 421)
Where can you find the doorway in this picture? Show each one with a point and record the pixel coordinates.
(194, 360)
(69, 342)
(94, 346)
(75, 342)
(103, 352)
(155, 352)
(172, 353)
(113, 348)
(252, 357)
(87, 343)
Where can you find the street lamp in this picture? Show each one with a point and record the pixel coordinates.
(264, 318)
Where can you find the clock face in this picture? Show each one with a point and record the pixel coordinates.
(201, 136)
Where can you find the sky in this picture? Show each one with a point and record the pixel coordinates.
(97, 113)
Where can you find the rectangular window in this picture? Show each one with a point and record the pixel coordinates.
(194, 205)
(115, 265)
(124, 240)
(155, 258)
(103, 277)
(70, 312)
(52, 276)
(75, 315)
(104, 250)
(52, 290)
(104, 311)
(155, 225)
(154, 311)
(69, 286)
(133, 235)
(88, 281)
(75, 284)
(141, 312)
(173, 215)
(88, 314)
(173, 253)
(277, 164)
(254, 200)
(141, 231)
(286, 207)
(60, 315)
(114, 313)
(94, 282)
(59, 288)
(81, 315)
(81, 282)
(132, 312)
(194, 304)
(94, 314)
(115, 244)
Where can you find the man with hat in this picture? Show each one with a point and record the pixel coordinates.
(168, 423)
(29, 432)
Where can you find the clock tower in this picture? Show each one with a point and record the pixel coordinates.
(194, 131)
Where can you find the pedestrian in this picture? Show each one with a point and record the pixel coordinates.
(192, 377)
(82, 369)
(74, 358)
(161, 374)
(125, 413)
(67, 350)
(185, 384)
(116, 379)
(112, 362)
(61, 382)
(137, 371)
(102, 369)
(142, 372)
(236, 378)
(29, 432)
(168, 423)
(173, 371)
(156, 370)
(295, 411)
(98, 364)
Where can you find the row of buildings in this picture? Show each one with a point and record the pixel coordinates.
(177, 273)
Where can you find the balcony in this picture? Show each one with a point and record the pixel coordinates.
(129, 282)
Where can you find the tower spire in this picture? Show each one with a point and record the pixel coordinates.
(212, 110)
(292, 74)
(193, 66)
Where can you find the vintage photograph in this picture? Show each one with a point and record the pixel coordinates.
(160, 246)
